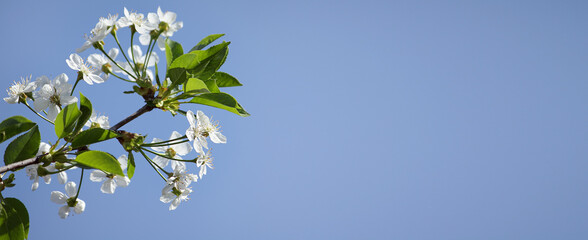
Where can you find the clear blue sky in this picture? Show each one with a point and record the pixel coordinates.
(370, 120)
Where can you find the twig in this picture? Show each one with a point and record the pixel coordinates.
(35, 160)
(138, 113)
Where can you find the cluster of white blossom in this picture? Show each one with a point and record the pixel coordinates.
(177, 188)
(50, 96)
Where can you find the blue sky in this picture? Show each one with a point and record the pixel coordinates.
(370, 120)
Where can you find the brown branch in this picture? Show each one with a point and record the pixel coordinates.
(23, 163)
(138, 113)
(35, 160)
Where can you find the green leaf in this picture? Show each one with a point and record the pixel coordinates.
(100, 160)
(21, 213)
(11, 226)
(225, 80)
(92, 135)
(192, 59)
(23, 147)
(66, 120)
(172, 51)
(131, 165)
(86, 109)
(177, 76)
(208, 67)
(222, 101)
(12, 126)
(205, 41)
(211, 85)
(195, 85)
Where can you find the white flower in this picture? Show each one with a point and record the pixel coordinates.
(102, 63)
(111, 181)
(89, 74)
(164, 22)
(137, 55)
(71, 203)
(18, 90)
(96, 121)
(131, 18)
(108, 22)
(170, 194)
(177, 188)
(172, 151)
(200, 128)
(203, 161)
(53, 95)
(31, 170)
(97, 34)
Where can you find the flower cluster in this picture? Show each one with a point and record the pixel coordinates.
(177, 185)
(138, 65)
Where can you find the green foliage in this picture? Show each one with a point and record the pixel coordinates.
(100, 160)
(12, 126)
(222, 101)
(23, 147)
(225, 80)
(66, 120)
(91, 136)
(86, 109)
(172, 51)
(14, 220)
(205, 41)
(195, 85)
(131, 165)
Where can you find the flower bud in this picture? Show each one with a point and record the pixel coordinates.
(163, 27)
(106, 68)
(41, 171)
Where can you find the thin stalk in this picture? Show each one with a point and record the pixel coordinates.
(44, 118)
(161, 155)
(148, 55)
(122, 51)
(152, 165)
(62, 170)
(80, 186)
(167, 144)
(126, 80)
(171, 140)
(115, 63)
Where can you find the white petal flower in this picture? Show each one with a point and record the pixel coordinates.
(31, 170)
(111, 181)
(108, 22)
(203, 161)
(161, 21)
(177, 188)
(172, 151)
(97, 121)
(18, 90)
(97, 35)
(89, 73)
(131, 18)
(68, 198)
(103, 63)
(137, 56)
(200, 128)
(53, 95)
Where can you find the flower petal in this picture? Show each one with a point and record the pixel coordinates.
(58, 197)
(122, 181)
(97, 176)
(80, 206)
(108, 186)
(218, 137)
(63, 212)
(71, 189)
